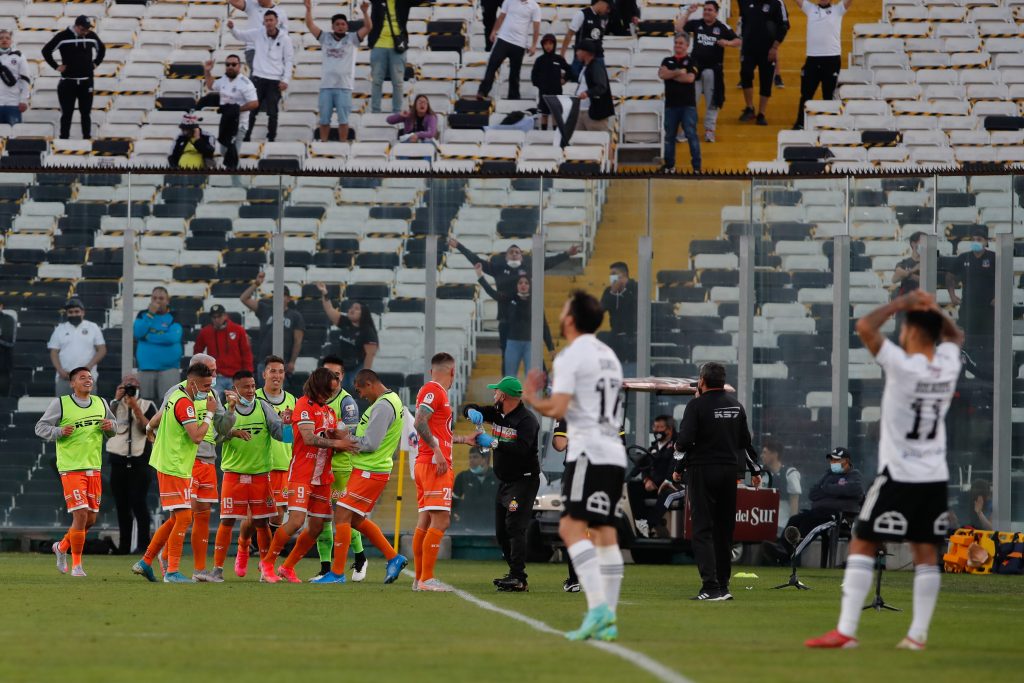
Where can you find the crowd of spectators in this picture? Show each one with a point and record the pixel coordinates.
(693, 70)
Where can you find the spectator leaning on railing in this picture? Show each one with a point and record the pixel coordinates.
(233, 94)
(158, 346)
(338, 66)
(76, 342)
(81, 51)
(254, 11)
(15, 85)
(271, 68)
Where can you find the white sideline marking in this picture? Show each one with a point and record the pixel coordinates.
(638, 659)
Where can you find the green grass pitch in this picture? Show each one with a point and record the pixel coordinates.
(114, 626)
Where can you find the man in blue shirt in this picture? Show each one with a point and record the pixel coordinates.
(158, 351)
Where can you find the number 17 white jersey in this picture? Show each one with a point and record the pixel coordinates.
(914, 405)
(589, 371)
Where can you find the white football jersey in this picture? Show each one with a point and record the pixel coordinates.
(239, 90)
(589, 371)
(914, 405)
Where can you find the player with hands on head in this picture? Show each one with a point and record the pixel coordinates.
(908, 499)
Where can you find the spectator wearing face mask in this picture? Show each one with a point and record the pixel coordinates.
(839, 490)
(620, 300)
(517, 323)
(647, 493)
(75, 343)
(506, 269)
(228, 343)
(474, 493)
(974, 267)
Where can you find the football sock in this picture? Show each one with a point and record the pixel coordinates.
(584, 558)
(302, 545)
(221, 545)
(77, 541)
(176, 541)
(325, 542)
(277, 545)
(375, 536)
(609, 558)
(417, 551)
(200, 539)
(262, 540)
(431, 547)
(573, 578)
(357, 542)
(65, 543)
(342, 539)
(856, 584)
(926, 593)
(158, 541)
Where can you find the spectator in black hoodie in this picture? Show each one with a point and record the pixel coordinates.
(620, 301)
(550, 71)
(81, 51)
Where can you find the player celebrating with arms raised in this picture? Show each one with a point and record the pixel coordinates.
(309, 479)
(587, 392)
(908, 497)
(174, 454)
(434, 477)
(77, 422)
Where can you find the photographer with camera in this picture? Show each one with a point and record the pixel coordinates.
(128, 453)
(193, 149)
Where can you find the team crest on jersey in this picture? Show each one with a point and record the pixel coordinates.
(304, 415)
(891, 523)
(232, 336)
(716, 30)
(599, 503)
(513, 506)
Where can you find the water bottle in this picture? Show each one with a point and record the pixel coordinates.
(286, 434)
(483, 451)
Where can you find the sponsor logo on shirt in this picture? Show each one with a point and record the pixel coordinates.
(727, 413)
(190, 411)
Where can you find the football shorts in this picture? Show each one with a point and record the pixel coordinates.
(82, 489)
(245, 493)
(433, 492)
(312, 499)
(592, 493)
(897, 510)
(363, 490)
(204, 482)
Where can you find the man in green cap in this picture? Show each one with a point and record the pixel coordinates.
(513, 439)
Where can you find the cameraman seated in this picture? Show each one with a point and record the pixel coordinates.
(194, 149)
(840, 490)
(655, 480)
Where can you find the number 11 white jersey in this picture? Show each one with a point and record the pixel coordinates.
(589, 371)
(914, 405)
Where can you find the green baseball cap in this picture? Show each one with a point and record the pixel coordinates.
(509, 386)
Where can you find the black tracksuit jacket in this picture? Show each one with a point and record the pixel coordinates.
(80, 55)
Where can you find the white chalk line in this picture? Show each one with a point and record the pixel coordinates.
(638, 659)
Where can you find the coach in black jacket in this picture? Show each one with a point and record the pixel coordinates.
(516, 463)
(714, 439)
(81, 51)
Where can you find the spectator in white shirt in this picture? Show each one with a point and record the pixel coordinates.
(14, 81)
(339, 66)
(254, 11)
(75, 343)
(234, 93)
(824, 51)
(271, 70)
(512, 39)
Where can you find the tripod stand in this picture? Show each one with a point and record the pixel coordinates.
(793, 539)
(878, 604)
